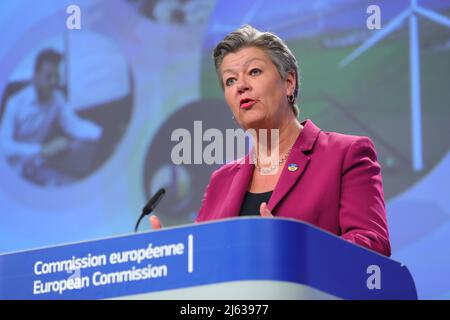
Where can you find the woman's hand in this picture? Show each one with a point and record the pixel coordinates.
(264, 210)
(154, 222)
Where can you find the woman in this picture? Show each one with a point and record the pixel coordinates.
(327, 179)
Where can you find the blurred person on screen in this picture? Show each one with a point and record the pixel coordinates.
(28, 125)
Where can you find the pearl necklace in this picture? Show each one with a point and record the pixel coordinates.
(268, 170)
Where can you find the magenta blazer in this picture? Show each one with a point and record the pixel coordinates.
(337, 187)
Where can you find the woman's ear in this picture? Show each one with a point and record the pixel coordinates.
(290, 83)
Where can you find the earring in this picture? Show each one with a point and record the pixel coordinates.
(291, 98)
(233, 118)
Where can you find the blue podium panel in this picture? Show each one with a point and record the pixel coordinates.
(240, 258)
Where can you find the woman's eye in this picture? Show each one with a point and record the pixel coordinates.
(255, 72)
(229, 81)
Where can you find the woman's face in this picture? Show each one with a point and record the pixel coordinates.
(254, 89)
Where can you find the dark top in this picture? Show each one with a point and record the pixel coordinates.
(252, 202)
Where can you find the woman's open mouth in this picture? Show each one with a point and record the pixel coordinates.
(247, 103)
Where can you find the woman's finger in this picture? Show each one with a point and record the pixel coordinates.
(155, 223)
(264, 210)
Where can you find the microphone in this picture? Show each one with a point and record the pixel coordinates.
(150, 206)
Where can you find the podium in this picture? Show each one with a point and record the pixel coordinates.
(238, 258)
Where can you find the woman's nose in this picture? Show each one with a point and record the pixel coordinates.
(243, 85)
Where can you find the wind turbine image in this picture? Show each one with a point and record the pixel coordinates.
(412, 14)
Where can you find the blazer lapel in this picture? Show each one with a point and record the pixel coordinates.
(288, 178)
(297, 158)
(238, 188)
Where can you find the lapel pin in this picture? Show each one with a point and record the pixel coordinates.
(292, 167)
